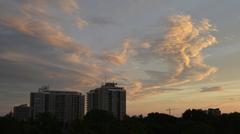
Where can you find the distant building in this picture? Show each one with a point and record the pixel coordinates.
(108, 97)
(21, 112)
(214, 112)
(65, 105)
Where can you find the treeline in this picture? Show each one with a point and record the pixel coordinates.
(101, 122)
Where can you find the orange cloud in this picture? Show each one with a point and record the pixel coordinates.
(34, 20)
(68, 6)
(182, 47)
(145, 45)
(119, 57)
(46, 32)
(135, 88)
(73, 58)
(74, 63)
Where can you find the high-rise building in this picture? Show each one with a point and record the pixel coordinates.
(65, 105)
(21, 112)
(108, 97)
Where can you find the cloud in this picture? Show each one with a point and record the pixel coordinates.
(212, 89)
(80, 23)
(119, 57)
(45, 32)
(36, 8)
(68, 5)
(36, 49)
(181, 50)
(135, 88)
(145, 45)
(182, 45)
(72, 58)
(140, 90)
(29, 69)
(42, 45)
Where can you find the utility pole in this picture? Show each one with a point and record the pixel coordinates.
(170, 110)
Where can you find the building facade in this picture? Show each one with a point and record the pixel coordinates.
(108, 97)
(65, 105)
(21, 112)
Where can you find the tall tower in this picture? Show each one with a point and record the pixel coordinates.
(108, 97)
(65, 105)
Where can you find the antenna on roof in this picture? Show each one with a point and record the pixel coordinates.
(44, 88)
(105, 77)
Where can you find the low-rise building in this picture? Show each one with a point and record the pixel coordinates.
(21, 112)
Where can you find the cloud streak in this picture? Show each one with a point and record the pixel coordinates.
(212, 89)
(140, 90)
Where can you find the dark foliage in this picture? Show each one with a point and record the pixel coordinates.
(102, 122)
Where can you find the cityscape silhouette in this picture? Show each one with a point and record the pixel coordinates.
(119, 67)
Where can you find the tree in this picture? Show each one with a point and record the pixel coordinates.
(47, 123)
(98, 122)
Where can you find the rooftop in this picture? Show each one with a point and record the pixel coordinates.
(46, 89)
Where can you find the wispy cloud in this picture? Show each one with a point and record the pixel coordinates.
(44, 31)
(36, 22)
(212, 89)
(80, 23)
(181, 50)
(119, 57)
(68, 62)
(139, 90)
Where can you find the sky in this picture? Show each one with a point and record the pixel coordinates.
(176, 54)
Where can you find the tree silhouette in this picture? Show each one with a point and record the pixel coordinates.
(47, 123)
(195, 121)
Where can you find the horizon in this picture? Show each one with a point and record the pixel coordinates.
(176, 54)
(144, 115)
